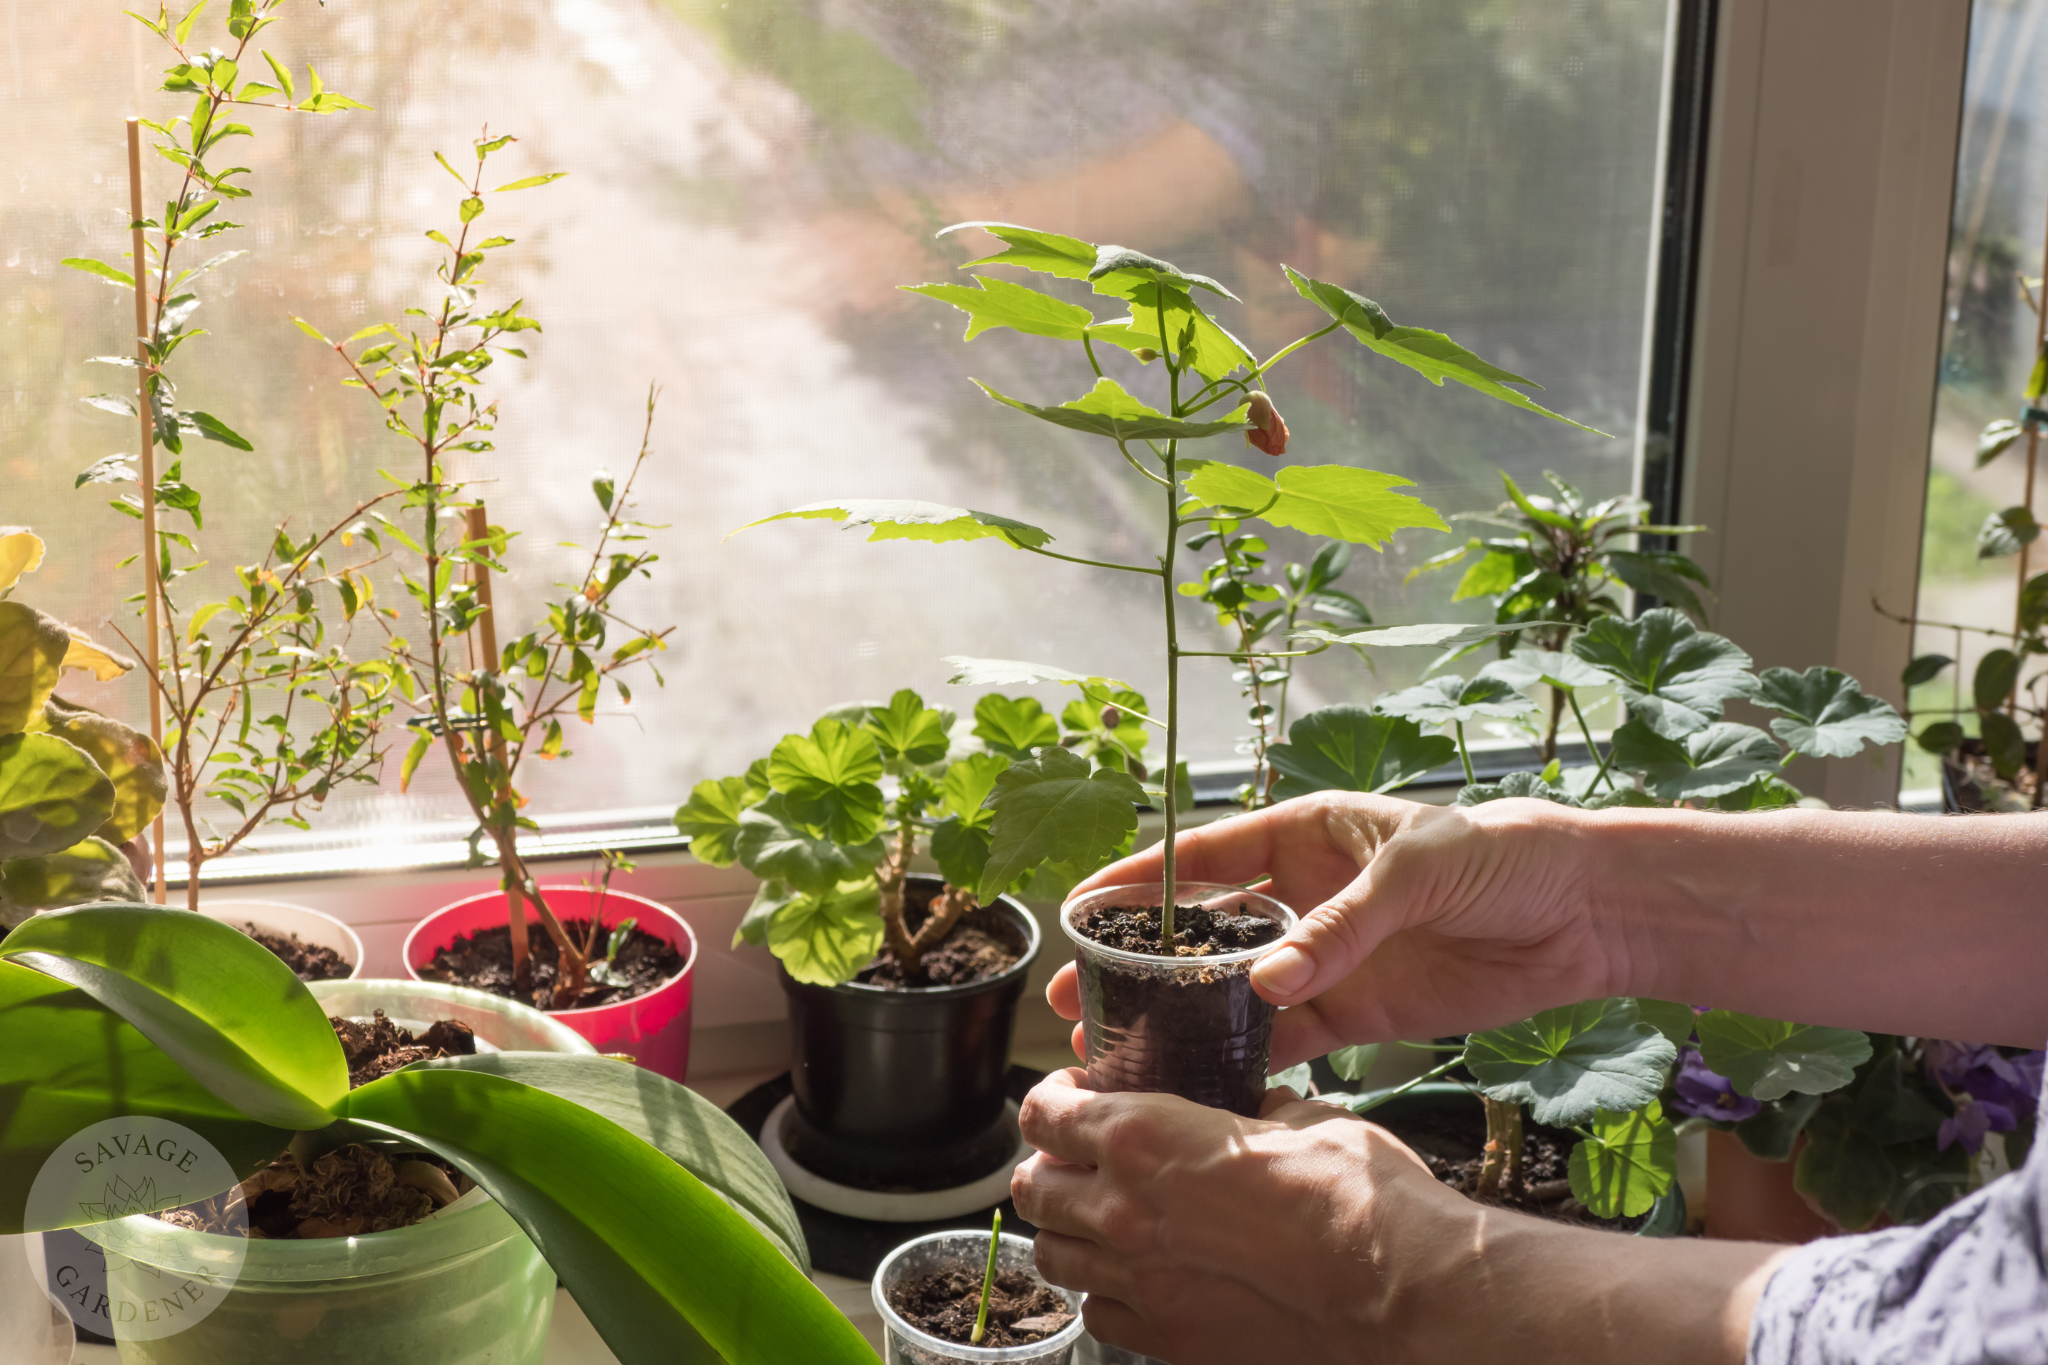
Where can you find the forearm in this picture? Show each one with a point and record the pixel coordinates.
(1895, 923)
(1574, 1296)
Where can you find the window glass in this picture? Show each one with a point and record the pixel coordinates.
(748, 185)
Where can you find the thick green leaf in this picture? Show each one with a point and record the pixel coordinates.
(1927, 667)
(70, 1062)
(1568, 1064)
(221, 1005)
(128, 757)
(32, 649)
(1676, 677)
(1843, 1169)
(1769, 1058)
(1993, 682)
(1353, 749)
(1011, 726)
(824, 937)
(1447, 636)
(1049, 253)
(908, 731)
(1773, 1131)
(1628, 1162)
(1352, 1063)
(51, 795)
(1996, 439)
(1106, 410)
(1052, 809)
(1000, 303)
(1333, 500)
(1672, 1020)
(2004, 533)
(1826, 714)
(1432, 355)
(711, 819)
(774, 843)
(829, 778)
(1722, 758)
(1448, 699)
(2003, 743)
(1514, 785)
(909, 519)
(90, 870)
(663, 1267)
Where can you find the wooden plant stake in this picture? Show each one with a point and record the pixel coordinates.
(479, 528)
(147, 477)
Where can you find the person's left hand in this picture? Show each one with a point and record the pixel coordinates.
(1203, 1237)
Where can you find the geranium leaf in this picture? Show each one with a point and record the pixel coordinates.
(711, 819)
(1568, 1064)
(1011, 726)
(1653, 574)
(1332, 500)
(1050, 808)
(1353, 749)
(1669, 1018)
(1352, 1063)
(1826, 714)
(994, 303)
(909, 519)
(51, 795)
(1843, 1169)
(1446, 635)
(829, 779)
(1106, 410)
(774, 843)
(960, 848)
(1629, 1161)
(1432, 355)
(824, 937)
(1528, 666)
(1769, 1058)
(769, 897)
(1719, 759)
(908, 731)
(1514, 785)
(1448, 699)
(1675, 676)
(966, 787)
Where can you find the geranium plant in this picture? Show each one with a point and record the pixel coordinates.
(1051, 806)
(834, 850)
(74, 785)
(489, 706)
(657, 1211)
(264, 712)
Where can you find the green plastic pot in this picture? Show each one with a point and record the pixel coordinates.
(464, 1287)
(1667, 1215)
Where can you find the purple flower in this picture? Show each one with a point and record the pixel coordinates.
(1987, 1075)
(1973, 1119)
(1703, 1095)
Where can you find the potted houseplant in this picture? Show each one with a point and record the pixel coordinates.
(902, 986)
(1166, 991)
(78, 786)
(924, 1292)
(263, 712)
(616, 967)
(654, 1209)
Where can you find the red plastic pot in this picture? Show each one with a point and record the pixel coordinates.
(652, 1029)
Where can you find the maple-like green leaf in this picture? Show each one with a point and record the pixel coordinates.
(1430, 354)
(1051, 808)
(1333, 500)
(1352, 749)
(1107, 410)
(1434, 635)
(910, 519)
(1049, 253)
(995, 303)
(1135, 268)
(1447, 699)
(710, 819)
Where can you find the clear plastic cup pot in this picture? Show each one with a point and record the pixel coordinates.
(963, 1250)
(1189, 1025)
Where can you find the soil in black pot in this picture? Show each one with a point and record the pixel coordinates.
(1197, 1031)
(351, 1190)
(982, 943)
(1451, 1138)
(483, 961)
(311, 961)
(945, 1303)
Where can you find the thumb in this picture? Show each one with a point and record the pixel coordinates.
(1326, 945)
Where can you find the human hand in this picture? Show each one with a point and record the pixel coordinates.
(1416, 920)
(1201, 1236)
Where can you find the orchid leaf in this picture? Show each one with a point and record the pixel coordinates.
(1353, 749)
(1568, 1064)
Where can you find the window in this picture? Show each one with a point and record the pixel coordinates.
(748, 185)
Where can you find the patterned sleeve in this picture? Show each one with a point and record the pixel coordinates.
(1968, 1287)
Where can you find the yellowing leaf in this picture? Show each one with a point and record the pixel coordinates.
(21, 551)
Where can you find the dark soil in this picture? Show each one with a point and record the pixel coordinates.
(378, 1047)
(311, 961)
(354, 1189)
(982, 943)
(1199, 1032)
(483, 961)
(1021, 1309)
(1197, 931)
(1451, 1138)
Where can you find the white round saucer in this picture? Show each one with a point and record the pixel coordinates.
(883, 1206)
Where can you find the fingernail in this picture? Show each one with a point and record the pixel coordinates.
(1284, 971)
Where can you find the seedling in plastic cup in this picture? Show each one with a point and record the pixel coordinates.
(988, 1280)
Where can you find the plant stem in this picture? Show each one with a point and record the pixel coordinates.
(988, 1280)
(1463, 756)
(1591, 747)
(1292, 347)
(1502, 1167)
(1170, 781)
(1406, 1086)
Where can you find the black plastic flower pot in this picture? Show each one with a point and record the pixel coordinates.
(1187, 1025)
(904, 1088)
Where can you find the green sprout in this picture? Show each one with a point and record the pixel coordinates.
(988, 1280)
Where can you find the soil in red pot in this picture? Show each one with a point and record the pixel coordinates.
(311, 961)
(482, 961)
(944, 1303)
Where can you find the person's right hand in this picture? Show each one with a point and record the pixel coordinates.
(1416, 920)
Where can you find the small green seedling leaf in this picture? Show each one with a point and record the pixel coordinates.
(988, 1279)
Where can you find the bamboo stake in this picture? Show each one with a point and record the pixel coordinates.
(150, 586)
(479, 527)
